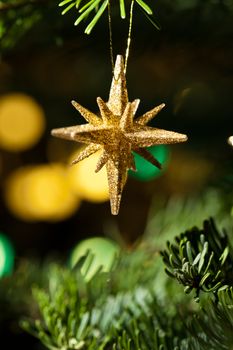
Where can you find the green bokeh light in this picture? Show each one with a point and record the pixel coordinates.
(6, 256)
(102, 254)
(147, 171)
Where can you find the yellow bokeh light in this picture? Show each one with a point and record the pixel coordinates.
(22, 122)
(41, 193)
(89, 185)
(15, 192)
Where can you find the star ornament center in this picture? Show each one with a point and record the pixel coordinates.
(117, 132)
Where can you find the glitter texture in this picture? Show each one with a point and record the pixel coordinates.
(117, 134)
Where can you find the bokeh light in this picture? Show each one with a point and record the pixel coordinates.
(22, 122)
(102, 254)
(6, 256)
(41, 193)
(15, 193)
(147, 171)
(91, 186)
(230, 140)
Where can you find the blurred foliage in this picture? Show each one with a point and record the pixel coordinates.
(15, 291)
(16, 19)
(166, 221)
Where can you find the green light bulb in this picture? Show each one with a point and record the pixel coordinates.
(102, 254)
(6, 256)
(147, 171)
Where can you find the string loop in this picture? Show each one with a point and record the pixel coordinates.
(110, 34)
(128, 38)
(129, 35)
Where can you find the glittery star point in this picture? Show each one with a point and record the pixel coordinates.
(117, 134)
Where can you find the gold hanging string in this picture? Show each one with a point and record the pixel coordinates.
(129, 35)
(110, 35)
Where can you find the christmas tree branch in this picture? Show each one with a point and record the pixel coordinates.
(98, 7)
(200, 260)
(135, 305)
(72, 319)
(212, 326)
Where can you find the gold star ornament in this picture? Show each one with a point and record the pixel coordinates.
(116, 132)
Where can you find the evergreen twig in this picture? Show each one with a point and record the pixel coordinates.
(99, 7)
(200, 259)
